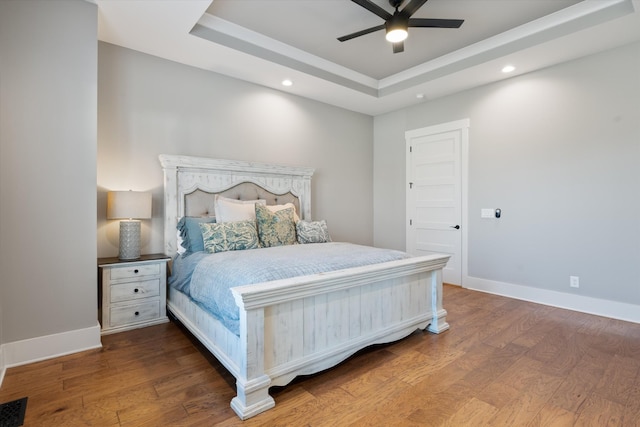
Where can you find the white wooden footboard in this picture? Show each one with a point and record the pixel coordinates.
(306, 324)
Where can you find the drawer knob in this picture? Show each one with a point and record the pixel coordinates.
(135, 271)
(135, 290)
(137, 313)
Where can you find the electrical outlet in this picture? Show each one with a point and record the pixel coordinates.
(574, 281)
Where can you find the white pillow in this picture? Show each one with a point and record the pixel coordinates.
(229, 210)
(276, 208)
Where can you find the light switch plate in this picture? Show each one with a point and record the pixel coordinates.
(487, 213)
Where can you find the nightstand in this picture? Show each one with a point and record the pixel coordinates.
(132, 294)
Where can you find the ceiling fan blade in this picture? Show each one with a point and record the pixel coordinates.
(398, 47)
(412, 7)
(374, 8)
(435, 23)
(361, 33)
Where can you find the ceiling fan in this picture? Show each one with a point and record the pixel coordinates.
(397, 25)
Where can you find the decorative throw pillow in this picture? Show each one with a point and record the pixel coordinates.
(312, 232)
(229, 236)
(190, 235)
(275, 228)
(229, 210)
(181, 246)
(276, 208)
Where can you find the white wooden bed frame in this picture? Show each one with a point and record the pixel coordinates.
(301, 325)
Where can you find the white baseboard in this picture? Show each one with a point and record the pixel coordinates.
(46, 347)
(2, 367)
(599, 307)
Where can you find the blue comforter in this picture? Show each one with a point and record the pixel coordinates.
(208, 278)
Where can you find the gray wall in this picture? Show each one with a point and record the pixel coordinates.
(48, 109)
(558, 151)
(148, 106)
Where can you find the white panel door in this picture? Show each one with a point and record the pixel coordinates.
(434, 196)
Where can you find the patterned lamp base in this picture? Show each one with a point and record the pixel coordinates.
(129, 239)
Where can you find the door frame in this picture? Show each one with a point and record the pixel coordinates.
(461, 125)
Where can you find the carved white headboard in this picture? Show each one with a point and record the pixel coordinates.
(202, 178)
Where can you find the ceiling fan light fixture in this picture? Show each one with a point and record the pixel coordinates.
(395, 35)
(397, 25)
(396, 28)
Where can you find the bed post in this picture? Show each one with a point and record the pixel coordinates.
(170, 170)
(252, 384)
(439, 322)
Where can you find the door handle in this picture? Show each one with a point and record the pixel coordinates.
(457, 227)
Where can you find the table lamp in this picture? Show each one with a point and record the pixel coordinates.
(130, 207)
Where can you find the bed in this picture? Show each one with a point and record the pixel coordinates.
(296, 325)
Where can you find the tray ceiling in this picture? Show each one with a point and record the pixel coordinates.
(265, 41)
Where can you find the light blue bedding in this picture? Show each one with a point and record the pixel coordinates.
(183, 266)
(213, 275)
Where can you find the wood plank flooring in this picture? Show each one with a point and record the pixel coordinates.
(503, 363)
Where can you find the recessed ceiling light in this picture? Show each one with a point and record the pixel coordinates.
(420, 95)
(287, 82)
(508, 68)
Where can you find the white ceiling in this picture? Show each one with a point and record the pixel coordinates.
(266, 41)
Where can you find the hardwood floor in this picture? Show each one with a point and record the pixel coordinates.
(503, 363)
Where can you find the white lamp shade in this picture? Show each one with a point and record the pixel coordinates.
(128, 204)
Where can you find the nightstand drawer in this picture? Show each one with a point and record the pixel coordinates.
(135, 290)
(134, 271)
(127, 314)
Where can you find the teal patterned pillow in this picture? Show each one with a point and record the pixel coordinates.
(313, 232)
(229, 236)
(275, 228)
